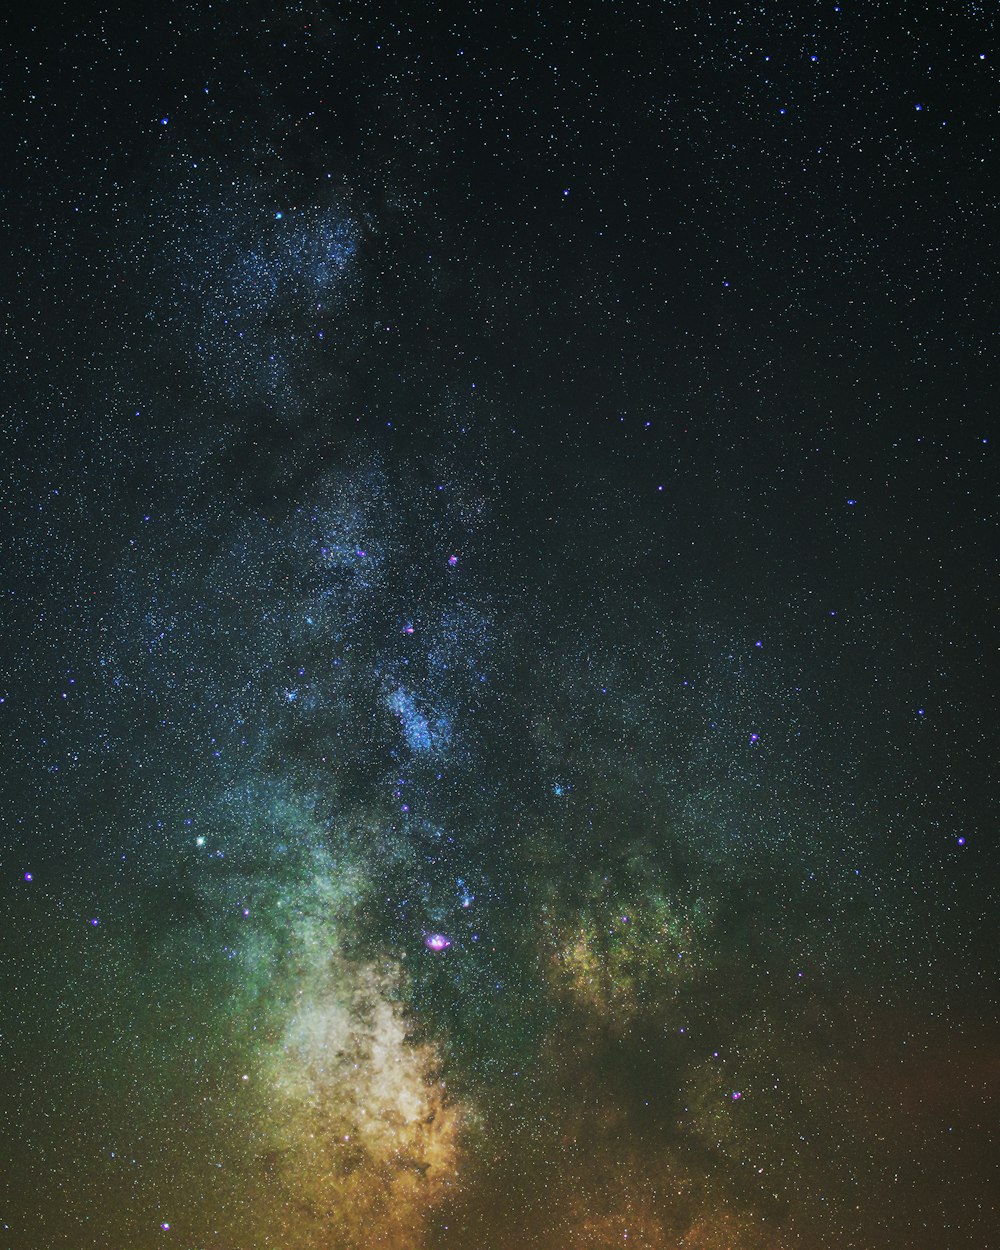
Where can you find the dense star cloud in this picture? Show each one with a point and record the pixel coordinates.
(499, 601)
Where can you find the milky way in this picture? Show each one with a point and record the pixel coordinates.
(499, 571)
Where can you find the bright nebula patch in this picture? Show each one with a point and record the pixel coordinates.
(423, 731)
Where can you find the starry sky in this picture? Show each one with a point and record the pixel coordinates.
(498, 657)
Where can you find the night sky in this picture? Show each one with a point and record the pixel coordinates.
(499, 651)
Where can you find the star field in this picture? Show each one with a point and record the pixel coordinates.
(498, 660)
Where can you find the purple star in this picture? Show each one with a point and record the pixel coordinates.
(437, 942)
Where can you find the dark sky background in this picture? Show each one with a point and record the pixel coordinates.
(498, 663)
